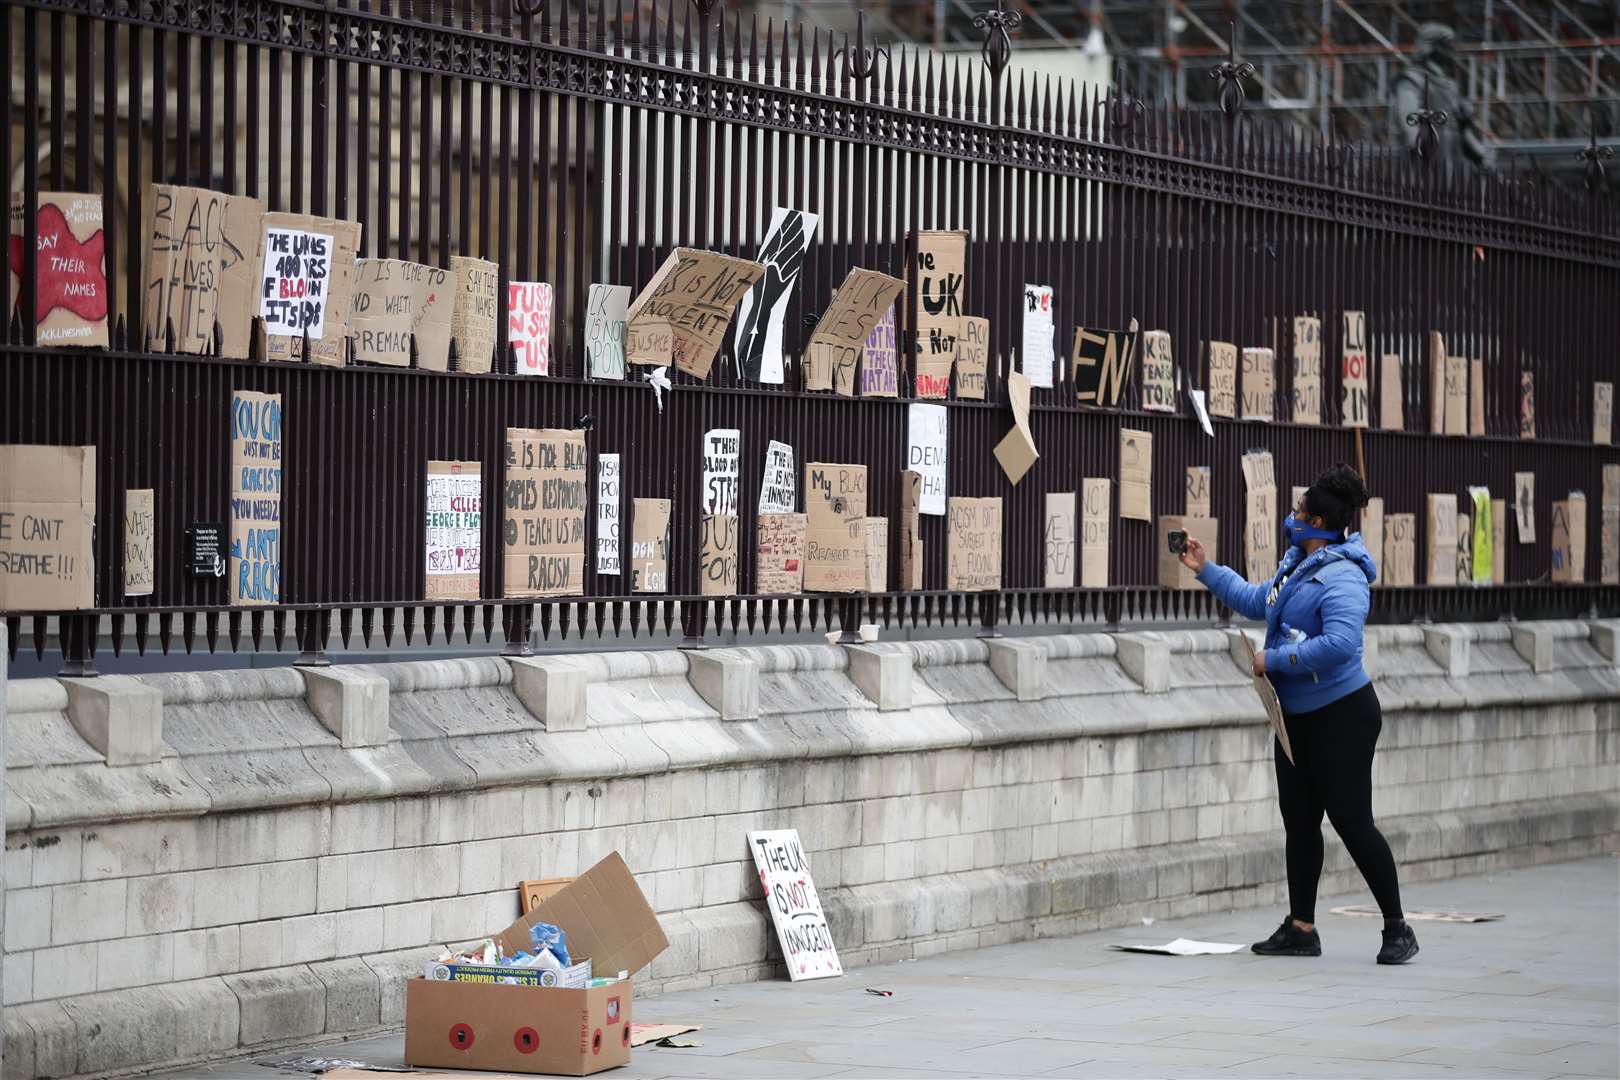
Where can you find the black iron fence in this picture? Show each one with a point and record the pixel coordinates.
(576, 143)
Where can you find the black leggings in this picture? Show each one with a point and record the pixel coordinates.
(1332, 772)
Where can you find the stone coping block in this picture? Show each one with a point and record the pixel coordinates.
(120, 716)
(552, 688)
(1146, 659)
(1534, 642)
(1450, 647)
(728, 679)
(351, 703)
(883, 673)
(1020, 665)
(1605, 638)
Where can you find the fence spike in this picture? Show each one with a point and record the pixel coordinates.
(736, 49)
(686, 56)
(770, 51)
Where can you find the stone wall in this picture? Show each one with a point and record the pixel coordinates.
(198, 865)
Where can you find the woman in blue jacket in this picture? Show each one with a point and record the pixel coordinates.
(1315, 608)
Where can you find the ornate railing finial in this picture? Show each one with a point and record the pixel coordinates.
(1123, 109)
(1428, 122)
(859, 61)
(1594, 156)
(1232, 73)
(997, 49)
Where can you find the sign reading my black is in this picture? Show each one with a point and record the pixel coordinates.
(205, 549)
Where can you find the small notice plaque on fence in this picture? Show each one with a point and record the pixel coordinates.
(205, 549)
(790, 894)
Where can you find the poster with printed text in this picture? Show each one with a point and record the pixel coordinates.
(763, 308)
(1158, 372)
(608, 538)
(255, 540)
(722, 454)
(1355, 403)
(528, 326)
(455, 530)
(795, 907)
(938, 278)
(605, 308)
(778, 490)
(1035, 354)
(926, 453)
(70, 271)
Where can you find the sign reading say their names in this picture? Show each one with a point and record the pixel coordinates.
(790, 894)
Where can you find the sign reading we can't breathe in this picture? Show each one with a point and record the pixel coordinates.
(801, 926)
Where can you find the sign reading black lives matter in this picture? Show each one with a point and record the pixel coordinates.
(790, 894)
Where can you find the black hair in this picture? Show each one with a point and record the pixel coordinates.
(1335, 496)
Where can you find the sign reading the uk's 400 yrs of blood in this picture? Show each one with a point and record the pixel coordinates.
(790, 894)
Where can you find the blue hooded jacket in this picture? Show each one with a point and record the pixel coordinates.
(1322, 607)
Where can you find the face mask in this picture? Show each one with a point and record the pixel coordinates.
(1300, 531)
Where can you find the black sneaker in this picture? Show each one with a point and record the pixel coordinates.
(1290, 940)
(1400, 945)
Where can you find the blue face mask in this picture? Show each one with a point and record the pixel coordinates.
(1300, 531)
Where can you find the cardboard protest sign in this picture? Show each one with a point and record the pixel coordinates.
(455, 530)
(649, 545)
(1476, 396)
(1158, 372)
(1136, 474)
(1223, 367)
(1173, 573)
(911, 543)
(608, 540)
(1482, 558)
(1295, 494)
(1456, 390)
(938, 279)
(1391, 411)
(779, 565)
(200, 269)
(140, 528)
(790, 896)
(1307, 390)
(1524, 505)
(973, 358)
(1609, 527)
(1355, 403)
(1259, 516)
(877, 554)
(546, 493)
(1400, 550)
(1035, 353)
(722, 452)
(605, 307)
(778, 491)
(973, 547)
(1016, 452)
(1104, 365)
(842, 332)
(70, 267)
(306, 286)
(256, 464)
(1095, 492)
(926, 449)
(1602, 413)
(1197, 491)
(694, 293)
(1569, 539)
(1372, 535)
(1527, 405)
(763, 307)
(880, 358)
(1259, 368)
(651, 342)
(835, 541)
(477, 307)
(528, 326)
(717, 555)
(393, 300)
(1437, 383)
(1499, 541)
(1465, 550)
(47, 528)
(1441, 559)
(1058, 540)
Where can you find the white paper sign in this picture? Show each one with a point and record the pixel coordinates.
(721, 449)
(790, 894)
(778, 492)
(763, 307)
(607, 514)
(925, 454)
(528, 325)
(1037, 343)
(604, 330)
(297, 275)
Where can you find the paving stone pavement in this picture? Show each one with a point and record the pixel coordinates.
(1534, 995)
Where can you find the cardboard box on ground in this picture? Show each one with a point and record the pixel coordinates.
(562, 1031)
